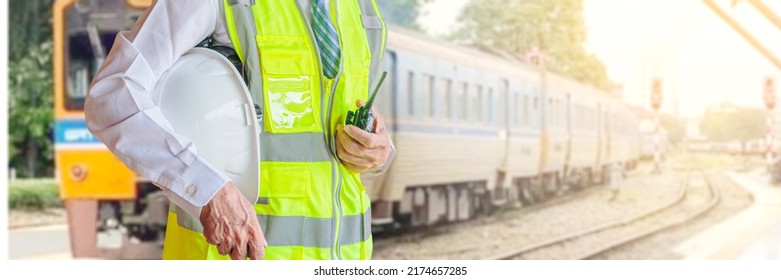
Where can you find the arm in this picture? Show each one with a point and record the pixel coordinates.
(121, 114)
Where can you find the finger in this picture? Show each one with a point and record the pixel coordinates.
(211, 236)
(346, 156)
(239, 252)
(350, 145)
(379, 125)
(353, 167)
(224, 248)
(368, 140)
(256, 245)
(253, 250)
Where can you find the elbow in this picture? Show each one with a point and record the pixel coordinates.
(96, 113)
(91, 113)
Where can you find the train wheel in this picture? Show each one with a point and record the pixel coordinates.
(551, 186)
(538, 189)
(522, 190)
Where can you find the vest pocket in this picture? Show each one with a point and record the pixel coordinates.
(285, 180)
(288, 83)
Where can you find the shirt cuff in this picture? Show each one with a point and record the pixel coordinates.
(197, 186)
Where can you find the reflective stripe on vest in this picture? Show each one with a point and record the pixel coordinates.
(307, 198)
(294, 231)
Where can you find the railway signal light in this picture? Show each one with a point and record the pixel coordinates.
(656, 93)
(770, 93)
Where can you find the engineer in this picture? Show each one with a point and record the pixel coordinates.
(312, 204)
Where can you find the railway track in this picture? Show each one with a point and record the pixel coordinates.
(694, 198)
(382, 239)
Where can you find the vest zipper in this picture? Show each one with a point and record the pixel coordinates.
(331, 137)
(336, 207)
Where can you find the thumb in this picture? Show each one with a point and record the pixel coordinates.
(359, 103)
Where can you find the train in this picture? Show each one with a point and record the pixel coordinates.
(475, 130)
(478, 130)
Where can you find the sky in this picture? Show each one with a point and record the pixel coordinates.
(700, 59)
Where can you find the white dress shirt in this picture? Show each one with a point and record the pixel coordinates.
(120, 112)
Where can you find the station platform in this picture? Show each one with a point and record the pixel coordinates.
(753, 234)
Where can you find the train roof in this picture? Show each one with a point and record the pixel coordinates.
(413, 41)
(479, 57)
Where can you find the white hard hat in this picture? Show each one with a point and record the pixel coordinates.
(205, 99)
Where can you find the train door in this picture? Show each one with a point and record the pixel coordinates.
(600, 140)
(567, 134)
(503, 123)
(608, 143)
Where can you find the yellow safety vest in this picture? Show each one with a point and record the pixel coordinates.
(310, 205)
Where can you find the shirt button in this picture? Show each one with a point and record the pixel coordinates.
(190, 189)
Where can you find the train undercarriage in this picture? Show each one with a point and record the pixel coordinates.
(424, 206)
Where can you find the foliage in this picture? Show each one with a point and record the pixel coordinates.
(30, 111)
(726, 122)
(401, 12)
(28, 25)
(555, 27)
(34, 197)
(30, 87)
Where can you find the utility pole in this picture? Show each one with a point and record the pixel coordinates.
(656, 104)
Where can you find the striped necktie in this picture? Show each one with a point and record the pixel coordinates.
(327, 39)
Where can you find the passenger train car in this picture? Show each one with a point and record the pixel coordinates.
(478, 130)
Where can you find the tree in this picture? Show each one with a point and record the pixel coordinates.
(29, 24)
(728, 122)
(30, 87)
(556, 27)
(402, 12)
(30, 111)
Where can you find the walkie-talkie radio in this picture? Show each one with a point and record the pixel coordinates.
(363, 118)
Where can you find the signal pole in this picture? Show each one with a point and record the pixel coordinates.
(656, 103)
(770, 103)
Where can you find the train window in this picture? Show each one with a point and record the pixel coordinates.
(559, 113)
(475, 101)
(427, 106)
(447, 98)
(411, 94)
(536, 111)
(556, 112)
(489, 106)
(525, 110)
(459, 106)
(470, 103)
(549, 113)
(517, 109)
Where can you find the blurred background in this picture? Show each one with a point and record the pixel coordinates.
(534, 129)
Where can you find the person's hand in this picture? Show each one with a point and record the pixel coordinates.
(361, 151)
(230, 223)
